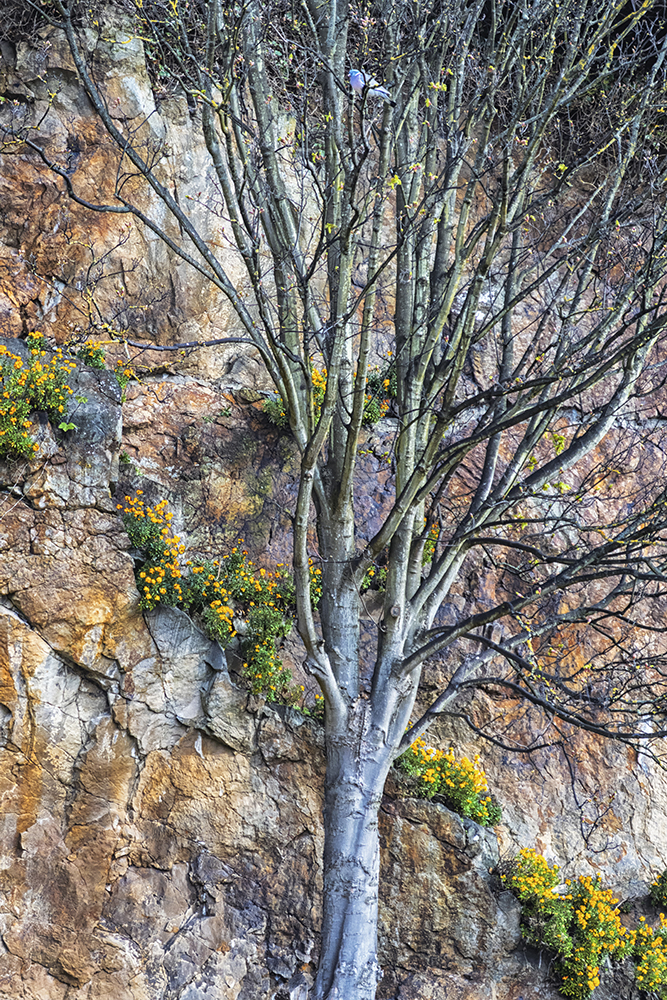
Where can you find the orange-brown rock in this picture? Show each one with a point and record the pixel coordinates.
(160, 832)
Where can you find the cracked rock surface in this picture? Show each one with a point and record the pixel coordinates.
(159, 836)
(160, 833)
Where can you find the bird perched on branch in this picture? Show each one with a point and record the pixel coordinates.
(359, 80)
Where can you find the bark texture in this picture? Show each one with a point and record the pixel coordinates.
(355, 777)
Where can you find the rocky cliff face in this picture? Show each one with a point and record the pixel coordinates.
(161, 835)
(160, 831)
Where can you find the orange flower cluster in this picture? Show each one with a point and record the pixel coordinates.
(382, 388)
(27, 387)
(376, 400)
(658, 891)
(319, 381)
(251, 584)
(532, 875)
(92, 353)
(596, 933)
(374, 409)
(461, 782)
(223, 593)
(650, 949)
(161, 579)
(430, 543)
(580, 921)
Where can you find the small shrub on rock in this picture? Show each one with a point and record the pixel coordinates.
(649, 950)
(461, 783)
(235, 600)
(27, 386)
(580, 921)
(94, 355)
(658, 891)
(381, 388)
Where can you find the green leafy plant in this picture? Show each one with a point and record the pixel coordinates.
(92, 355)
(596, 932)
(430, 544)
(546, 914)
(315, 583)
(658, 891)
(275, 411)
(580, 921)
(374, 409)
(27, 386)
(375, 578)
(315, 710)
(381, 387)
(123, 375)
(275, 408)
(234, 599)
(649, 951)
(461, 783)
(380, 383)
(35, 341)
(263, 670)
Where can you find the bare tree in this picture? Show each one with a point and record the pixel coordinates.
(497, 242)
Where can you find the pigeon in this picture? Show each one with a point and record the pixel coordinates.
(359, 80)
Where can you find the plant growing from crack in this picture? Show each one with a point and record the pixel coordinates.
(27, 386)
(235, 600)
(580, 921)
(462, 783)
(658, 891)
(381, 389)
(93, 354)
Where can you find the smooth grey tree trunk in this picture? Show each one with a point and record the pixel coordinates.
(358, 761)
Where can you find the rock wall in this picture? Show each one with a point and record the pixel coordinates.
(63, 267)
(160, 831)
(161, 836)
